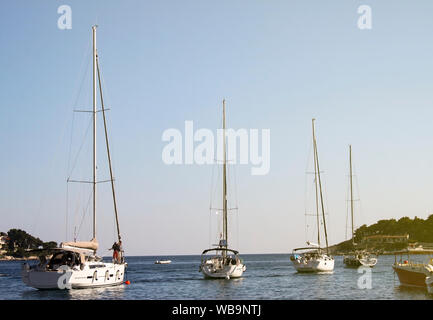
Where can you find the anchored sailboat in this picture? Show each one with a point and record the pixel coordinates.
(224, 263)
(314, 258)
(358, 257)
(75, 264)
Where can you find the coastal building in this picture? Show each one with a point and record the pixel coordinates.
(3, 242)
(383, 239)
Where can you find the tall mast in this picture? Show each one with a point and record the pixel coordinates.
(94, 130)
(225, 235)
(108, 150)
(351, 191)
(320, 188)
(316, 187)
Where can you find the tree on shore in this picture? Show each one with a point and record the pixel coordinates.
(419, 230)
(19, 242)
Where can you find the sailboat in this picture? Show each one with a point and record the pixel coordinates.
(314, 258)
(224, 263)
(76, 264)
(358, 257)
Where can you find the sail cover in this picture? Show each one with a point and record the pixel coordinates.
(92, 244)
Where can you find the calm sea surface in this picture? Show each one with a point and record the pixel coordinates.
(268, 276)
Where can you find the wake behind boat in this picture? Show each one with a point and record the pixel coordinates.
(76, 264)
(314, 258)
(224, 263)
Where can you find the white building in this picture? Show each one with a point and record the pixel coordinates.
(3, 241)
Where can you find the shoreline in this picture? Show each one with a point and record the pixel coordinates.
(9, 258)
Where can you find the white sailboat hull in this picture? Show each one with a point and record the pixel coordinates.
(368, 262)
(429, 284)
(320, 264)
(227, 272)
(92, 275)
(354, 261)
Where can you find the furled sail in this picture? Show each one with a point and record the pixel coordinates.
(92, 244)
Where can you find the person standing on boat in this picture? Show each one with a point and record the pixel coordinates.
(120, 253)
(116, 248)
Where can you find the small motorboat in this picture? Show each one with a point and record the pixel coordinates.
(162, 261)
(413, 273)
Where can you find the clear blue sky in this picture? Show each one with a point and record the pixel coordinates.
(278, 64)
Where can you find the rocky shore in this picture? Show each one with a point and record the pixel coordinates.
(9, 258)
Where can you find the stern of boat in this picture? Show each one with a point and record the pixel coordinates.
(35, 278)
(429, 284)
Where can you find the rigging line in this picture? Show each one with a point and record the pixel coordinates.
(67, 173)
(108, 149)
(358, 196)
(44, 195)
(81, 146)
(347, 210)
(306, 194)
(214, 183)
(70, 144)
(210, 228)
(320, 188)
(66, 222)
(210, 207)
(230, 191)
(84, 214)
(85, 73)
(211, 187)
(32, 225)
(309, 191)
(236, 204)
(80, 200)
(104, 86)
(77, 208)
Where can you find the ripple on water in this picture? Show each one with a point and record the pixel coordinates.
(267, 277)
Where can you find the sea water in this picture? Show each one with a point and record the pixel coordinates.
(268, 276)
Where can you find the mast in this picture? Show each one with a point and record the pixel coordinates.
(94, 130)
(351, 192)
(320, 188)
(108, 150)
(316, 188)
(225, 235)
